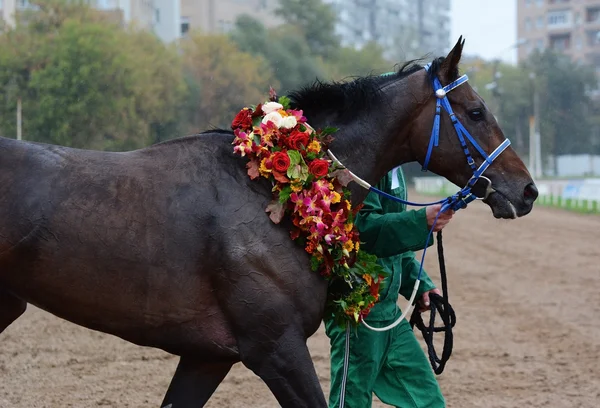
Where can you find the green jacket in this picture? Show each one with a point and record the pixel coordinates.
(391, 233)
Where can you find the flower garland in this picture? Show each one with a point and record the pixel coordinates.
(282, 147)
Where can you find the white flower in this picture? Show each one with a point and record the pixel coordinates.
(274, 117)
(289, 122)
(271, 107)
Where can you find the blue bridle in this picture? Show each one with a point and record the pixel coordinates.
(461, 199)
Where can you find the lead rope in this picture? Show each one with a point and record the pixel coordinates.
(441, 305)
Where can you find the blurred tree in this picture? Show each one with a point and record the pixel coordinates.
(565, 105)
(284, 48)
(85, 81)
(315, 21)
(223, 80)
(349, 62)
(566, 109)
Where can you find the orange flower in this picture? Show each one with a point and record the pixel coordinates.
(314, 147)
(349, 245)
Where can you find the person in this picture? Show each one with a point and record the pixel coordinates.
(390, 364)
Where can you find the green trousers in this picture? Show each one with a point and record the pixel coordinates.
(389, 364)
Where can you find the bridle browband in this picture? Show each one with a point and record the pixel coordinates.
(455, 202)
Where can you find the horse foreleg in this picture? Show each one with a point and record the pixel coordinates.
(11, 308)
(194, 382)
(287, 369)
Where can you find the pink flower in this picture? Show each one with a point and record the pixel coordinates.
(311, 204)
(297, 198)
(339, 219)
(321, 186)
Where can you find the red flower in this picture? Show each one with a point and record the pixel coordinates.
(375, 288)
(281, 161)
(298, 140)
(319, 168)
(243, 119)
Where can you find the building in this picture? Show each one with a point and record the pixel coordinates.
(159, 16)
(404, 28)
(569, 26)
(219, 16)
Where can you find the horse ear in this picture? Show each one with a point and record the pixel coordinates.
(449, 68)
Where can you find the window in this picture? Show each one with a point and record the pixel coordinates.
(225, 26)
(593, 38)
(157, 15)
(539, 3)
(539, 22)
(593, 15)
(185, 26)
(560, 42)
(559, 19)
(528, 3)
(527, 24)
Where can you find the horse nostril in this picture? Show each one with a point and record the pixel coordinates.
(531, 193)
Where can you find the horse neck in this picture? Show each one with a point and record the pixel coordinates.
(377, 140)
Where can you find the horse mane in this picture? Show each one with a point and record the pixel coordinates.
(348, 99)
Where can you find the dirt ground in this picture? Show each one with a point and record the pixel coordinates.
(526, 294)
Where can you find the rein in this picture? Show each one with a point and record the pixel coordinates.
(455, 202)
(441, 305)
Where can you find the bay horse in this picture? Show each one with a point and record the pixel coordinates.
(170, 247)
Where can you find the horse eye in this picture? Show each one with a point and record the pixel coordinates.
(476, 115)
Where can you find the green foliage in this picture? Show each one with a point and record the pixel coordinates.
(348, 61)
(315, 21)
(284, 48)
(567, 114)
(564, 104)
(84, 81)
(226, 80)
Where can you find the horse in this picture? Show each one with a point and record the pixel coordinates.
(169, 246)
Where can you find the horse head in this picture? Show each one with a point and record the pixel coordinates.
(467, 138)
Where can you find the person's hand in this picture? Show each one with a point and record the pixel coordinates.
(442, 221)
(424, 302)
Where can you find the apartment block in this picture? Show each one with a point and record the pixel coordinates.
(571, 27)
(159, 16)
(219, 16)
(402, 27)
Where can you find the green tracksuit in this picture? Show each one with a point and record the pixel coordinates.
(390, 364)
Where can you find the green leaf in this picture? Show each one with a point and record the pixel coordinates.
(295, 157)
(298, 168)
(256, 138)
(284, 194)
(285, 101)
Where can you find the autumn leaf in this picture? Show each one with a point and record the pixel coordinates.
(280, 177)
(277, 211)
(252, 166)
(343, 176)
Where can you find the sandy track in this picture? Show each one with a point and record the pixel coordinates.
(526, 293)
